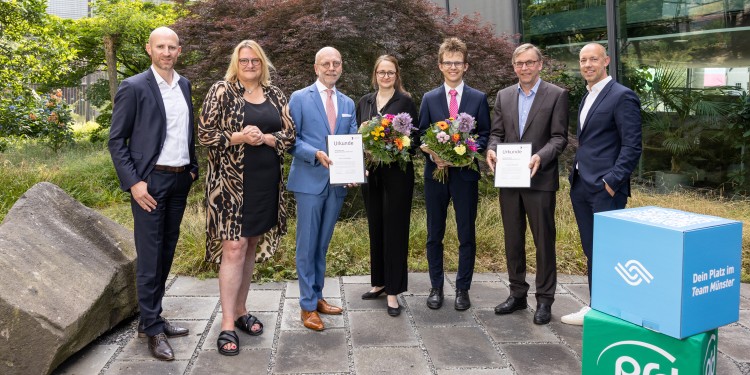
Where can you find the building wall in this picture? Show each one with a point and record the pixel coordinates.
(74, 9)
(501, 13)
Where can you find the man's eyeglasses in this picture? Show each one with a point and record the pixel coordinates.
(383, 74)
(529, 64)
(328, 64)
(244, 62)
(448, 64)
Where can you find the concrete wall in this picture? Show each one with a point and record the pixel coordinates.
(503, 14)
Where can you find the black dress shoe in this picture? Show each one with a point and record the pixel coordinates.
(462, 300)
(543, 313)
(435, 300)
(169, 330)
(511, 304)
(373, 295)
(160, 348)
(394, 311)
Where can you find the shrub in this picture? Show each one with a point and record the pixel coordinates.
(47, 117)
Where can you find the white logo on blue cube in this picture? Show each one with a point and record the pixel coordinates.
(675, 272)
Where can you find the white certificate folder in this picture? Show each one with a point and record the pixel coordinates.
(512, 168)
(348, 159)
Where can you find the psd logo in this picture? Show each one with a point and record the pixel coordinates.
(633, 272)
(652, 360)
(710, 358)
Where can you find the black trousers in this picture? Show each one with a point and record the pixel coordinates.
(585, 205)
(156, 235)
(539, 206)
(388, 195)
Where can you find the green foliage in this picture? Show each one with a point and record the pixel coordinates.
(45, 117)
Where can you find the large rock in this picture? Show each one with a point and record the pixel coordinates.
(67, 275)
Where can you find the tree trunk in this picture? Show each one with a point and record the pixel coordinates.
(111, 59)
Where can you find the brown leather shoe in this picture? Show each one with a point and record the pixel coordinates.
(169, 329)
(325, 308)
(311, 319)
(160, 348)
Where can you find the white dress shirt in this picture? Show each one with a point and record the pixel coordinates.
(459, 89)
(591, 97)
(175, 152)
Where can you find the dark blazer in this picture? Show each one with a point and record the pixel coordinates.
(609, 145)
(399, 102)
(435, 108)
(139, 127)
(546, 128)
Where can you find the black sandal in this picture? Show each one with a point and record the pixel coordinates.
(246, 323)
(228, 337)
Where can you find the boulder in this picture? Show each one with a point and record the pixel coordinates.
(67, 275)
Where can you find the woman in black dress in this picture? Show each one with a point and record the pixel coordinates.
(246, 126)
(388, 193)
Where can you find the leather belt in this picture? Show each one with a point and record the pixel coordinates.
(167, 168)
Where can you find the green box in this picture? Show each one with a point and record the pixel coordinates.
(612, 346)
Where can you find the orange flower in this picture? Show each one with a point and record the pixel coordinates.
(32, 116)
(52, 117)
(399, 143)
(442, 125)
(385, 122)
(456, 137)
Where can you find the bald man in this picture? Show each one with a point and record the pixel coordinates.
(609, 146)
(151, 143)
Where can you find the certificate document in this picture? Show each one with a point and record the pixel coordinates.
(348, 159)
(512, 168)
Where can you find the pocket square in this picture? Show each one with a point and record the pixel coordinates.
(346, 115)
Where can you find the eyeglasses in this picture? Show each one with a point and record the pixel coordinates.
(592, 60)
(448, 64)
(244, 62)
(383, 74)
(328, 64)
(521, 64)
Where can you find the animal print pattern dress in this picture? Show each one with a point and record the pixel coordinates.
(222, 115)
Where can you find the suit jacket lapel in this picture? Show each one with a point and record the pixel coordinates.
(443, 104)
(514, 115)
(596, 103)
(339, 111)
(157, 96)
(315, 97)
(186, 93)
(535, 106)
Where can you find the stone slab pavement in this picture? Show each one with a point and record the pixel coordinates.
(365, 340)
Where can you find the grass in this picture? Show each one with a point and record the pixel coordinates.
(86, 173)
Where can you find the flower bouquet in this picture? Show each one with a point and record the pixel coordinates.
(451, 141)
(386, 139)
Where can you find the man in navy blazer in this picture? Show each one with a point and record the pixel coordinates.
(318, 111)
(151, 143)
(609, 146)
(462, 185)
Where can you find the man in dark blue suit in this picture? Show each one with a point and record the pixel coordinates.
(609, 146)
(462, 185)
(151, 143)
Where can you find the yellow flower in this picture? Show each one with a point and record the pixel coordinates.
(406, 141)
(460, 149)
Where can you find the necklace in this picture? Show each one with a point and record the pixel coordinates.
(384, 102)
(250, 92)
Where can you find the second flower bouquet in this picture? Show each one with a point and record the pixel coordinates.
(386, 139)
(452, 141)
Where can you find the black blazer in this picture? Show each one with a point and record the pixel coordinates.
(399, 102)
(139, 127)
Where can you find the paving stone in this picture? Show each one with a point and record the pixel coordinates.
(744, 304)
(262, 300)
(310, 351)
(275, 285)
(389, 361)
(548, 359)
(189, 307)
(359, 279)
(330, 288)
(745, 290)
(445, 316)
(451, 347)
(419, 285)
(90, 360)
(580, 291)
(137, 348)
(745, 318)
(476, 278)
(247, 362)
(572, 279)
(147, 367)
(571, 335)
(354, 301)
(377, 328)
(265, 340)
(486, 295)
(193, 286)
(291, 318)
(515, 327)
(734, 342)
(477, 371)
(726, 366)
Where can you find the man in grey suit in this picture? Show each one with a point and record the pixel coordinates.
(536, 112)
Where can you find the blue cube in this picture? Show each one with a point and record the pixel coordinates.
(674, 272)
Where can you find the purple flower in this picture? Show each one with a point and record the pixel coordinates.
(442, 137)
(402, 123)
(465, 122)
